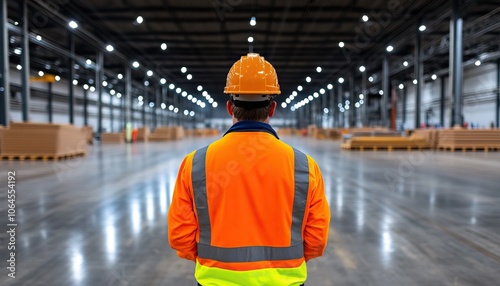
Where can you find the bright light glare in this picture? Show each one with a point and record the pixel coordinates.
(73, 25)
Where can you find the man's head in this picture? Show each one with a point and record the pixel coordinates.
(252, 84)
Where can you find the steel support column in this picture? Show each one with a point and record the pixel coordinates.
(85, 107)
(145, 96)
(456, 67)
(99, 89)
(498, 95)
(25, 60)
(157, 105)
(128, 97)
(340, 97)
(405, 97)
(363, 112)
(442, 102)
(71, 77)
(111, 115)
(4, 67)
(352, 111)
(419, 76)
(49, 102)
(385, 89)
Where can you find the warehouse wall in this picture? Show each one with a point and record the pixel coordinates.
(479, 90)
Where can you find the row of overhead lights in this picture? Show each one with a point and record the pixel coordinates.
(150, 73)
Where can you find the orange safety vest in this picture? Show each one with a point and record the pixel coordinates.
(250, 210)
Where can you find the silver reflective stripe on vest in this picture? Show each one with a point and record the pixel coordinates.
(300, 196)
(250, 253)
(199, 179)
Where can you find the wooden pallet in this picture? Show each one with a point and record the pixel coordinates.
(41, 157)
(384, 143)
(465, 148)
(383, 148)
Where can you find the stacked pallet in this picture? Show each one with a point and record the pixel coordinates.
(487, 139)
(333, 134)
(113, 138)
(375, 133)
(1, 134)
(285, 131)
(429, 135)
(384, 143)
(312, 130)
(166, 133)
(42, 141)
(88, 132)
(143, 134)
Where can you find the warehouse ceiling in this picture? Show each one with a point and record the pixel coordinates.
(207, 37)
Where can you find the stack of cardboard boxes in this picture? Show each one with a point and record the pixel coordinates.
(51, 141)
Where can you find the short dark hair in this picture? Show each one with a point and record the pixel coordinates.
(256, 114)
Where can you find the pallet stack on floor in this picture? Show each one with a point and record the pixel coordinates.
(429, 135)
(113, 138)
(89, 134)
(380, 139)
(384, 143)
(35, 141)
(166, 133)
(143, 134)
(486, 140)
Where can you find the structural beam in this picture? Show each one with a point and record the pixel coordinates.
(71, 77)
(385, 89)
(4, 67)
(456, 68)
(25, 60)
(419, 76)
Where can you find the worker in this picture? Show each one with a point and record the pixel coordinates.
(249, 209)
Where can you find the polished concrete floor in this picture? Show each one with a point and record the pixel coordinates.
(400, 218)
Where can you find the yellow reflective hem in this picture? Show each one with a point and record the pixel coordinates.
(213, 276)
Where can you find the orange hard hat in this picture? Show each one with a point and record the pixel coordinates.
(252, 74)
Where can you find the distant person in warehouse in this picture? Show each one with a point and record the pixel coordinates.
(249, 209)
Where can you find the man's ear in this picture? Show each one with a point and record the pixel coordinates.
(273, 109)
(229, 107)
